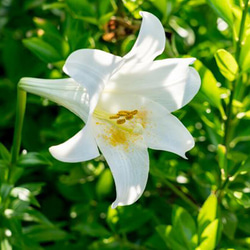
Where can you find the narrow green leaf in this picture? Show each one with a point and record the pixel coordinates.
(5, 190)
(5, 245)
(244, 60)
(221, 159)
(209, 236)
(25, 195)
(242, 198)
(4, 153)
(42, 49)
(223, 9)
(166, 233)
(229, 221)
(42, 233)
(226, 64)
(209, 91)
(32, 159)
(208, 213)
(184, 225)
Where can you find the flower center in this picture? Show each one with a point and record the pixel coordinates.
(127, 120)
(124, 115)
(121, 128)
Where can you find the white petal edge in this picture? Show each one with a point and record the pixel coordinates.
(129, 166)
(65, 92)
(92, 69)
(165, 132)
(150, 41)
(171, 82)
(81, 147)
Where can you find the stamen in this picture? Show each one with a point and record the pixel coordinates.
(134, 112)
(123, 113)
(120, 121)
(114, 117)
(129, 117)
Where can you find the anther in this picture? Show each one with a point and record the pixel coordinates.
(129, 117)
(123, 113)
(114, 117)
(134, 112)
(120, 121)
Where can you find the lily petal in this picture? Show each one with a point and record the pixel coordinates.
(65, 92)
(150, 42)
(171, 82)
(128, 160)
(163, 131)
(91, 68)
(81, 147)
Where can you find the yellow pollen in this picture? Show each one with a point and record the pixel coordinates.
(123, 113)
(114, 117)
(129, 117)
(120, 121)
(134, 112)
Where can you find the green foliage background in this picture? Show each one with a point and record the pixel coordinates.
(202, 203)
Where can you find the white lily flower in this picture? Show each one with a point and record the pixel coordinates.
(126, 104)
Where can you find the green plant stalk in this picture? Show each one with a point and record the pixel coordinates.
(234, 87)
(20, 111)
(181, 195)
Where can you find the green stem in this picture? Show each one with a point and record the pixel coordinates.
(20, 111)
(182, 195)
(228, 128)
(241, 32)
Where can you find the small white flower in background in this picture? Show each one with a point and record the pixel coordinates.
(126, 104)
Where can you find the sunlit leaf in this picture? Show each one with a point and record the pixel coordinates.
(227, 64)
(209, 236)
(208, 213)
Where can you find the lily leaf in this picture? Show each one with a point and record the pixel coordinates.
(208, 213)
(42, 49)
(209, 236)
(227, 64)
(223, 9)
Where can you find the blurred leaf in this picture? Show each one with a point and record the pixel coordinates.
(223, 9)
(227, 64)
(35, 188)
(4, 153)
(245, 53)
(182, 29)
(245, 167)
(42, 233)
(244, 224)
(209, 236)
(5, 245)
(83, 10)
(208, 213)
(105, 183)
(166, 233)
(32, 159)
(5, 189)
(42, 49)
(184, 226)
(241, 197)
(25, 195)
(127, 219)
(229, 222)
(209, 89)
(92, 229)
(222, 158)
